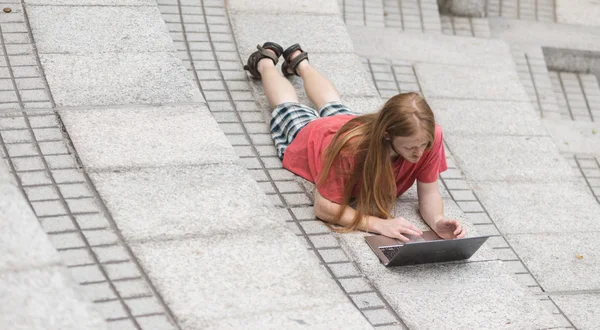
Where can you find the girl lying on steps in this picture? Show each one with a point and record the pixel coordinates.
(367, 161)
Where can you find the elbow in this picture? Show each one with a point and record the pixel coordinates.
(319, 212)
(323, 209)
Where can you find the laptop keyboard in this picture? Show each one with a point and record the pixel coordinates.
(391, 251)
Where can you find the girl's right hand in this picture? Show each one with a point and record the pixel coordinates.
(395, 228)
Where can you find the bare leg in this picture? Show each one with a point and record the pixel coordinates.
(319, 89)
(277, 88)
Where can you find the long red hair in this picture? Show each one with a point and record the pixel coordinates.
(363, 139)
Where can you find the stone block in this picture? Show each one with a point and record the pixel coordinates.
(417, 47)
(284, 7)
(141, 137)
(316, 34)
(200, 288)
(460, 82)
(85, 30)
(118, 78)
(337, 316)
(585, 12)
(93, 2)
(553, 259)
(175, 202)
(581, 309)
(554, 207)
(44, 299)
(412, 195)
(545, 34)
(345, 72)
(5, 176)
(474, 295)
(491, 117)
(509, 158)
(574, 136)
(24, 243)
(363, 104)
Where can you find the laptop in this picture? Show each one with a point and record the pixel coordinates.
(426, 248)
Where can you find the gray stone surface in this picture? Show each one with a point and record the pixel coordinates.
(118, 78)
(552, 259)
(280, 7)
(343, 71)
(411, 193)
(200, 279)
(473, 295)
(492, 117)
(509, 158)
(84, 30)
(362, 104)
(545, 33)
(24, 243)
(555, 207)
(42, 299)
(185, 201)
(430, 48)
(314, 33)
(30, 3)
(149, 136)
(584, 12)
(307, 318)
(5, 176)
(581, 309)
(574, 136)
(450, 81)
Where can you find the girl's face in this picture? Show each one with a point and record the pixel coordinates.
(410, 148)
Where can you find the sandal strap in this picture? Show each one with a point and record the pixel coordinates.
(268, 54)
(290, 50)
(274, 47)
(293, 64)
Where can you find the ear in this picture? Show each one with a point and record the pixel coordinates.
(386, 136)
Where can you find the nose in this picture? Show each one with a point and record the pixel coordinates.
(419, 153)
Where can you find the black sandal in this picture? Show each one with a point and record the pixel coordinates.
(261, 53)
(288, 67)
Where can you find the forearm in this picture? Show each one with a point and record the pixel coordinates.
(326, 210)
(431, 208)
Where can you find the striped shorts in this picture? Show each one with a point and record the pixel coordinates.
(287, 119)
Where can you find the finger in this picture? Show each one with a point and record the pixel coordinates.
(410, 231)
(458, 228)
(415, 229)
(462, 234)
(402, 238)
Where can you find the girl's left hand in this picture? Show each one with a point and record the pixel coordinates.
(449, 229)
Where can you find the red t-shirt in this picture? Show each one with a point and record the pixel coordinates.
(303, 157)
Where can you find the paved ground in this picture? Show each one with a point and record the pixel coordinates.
(142, 148)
